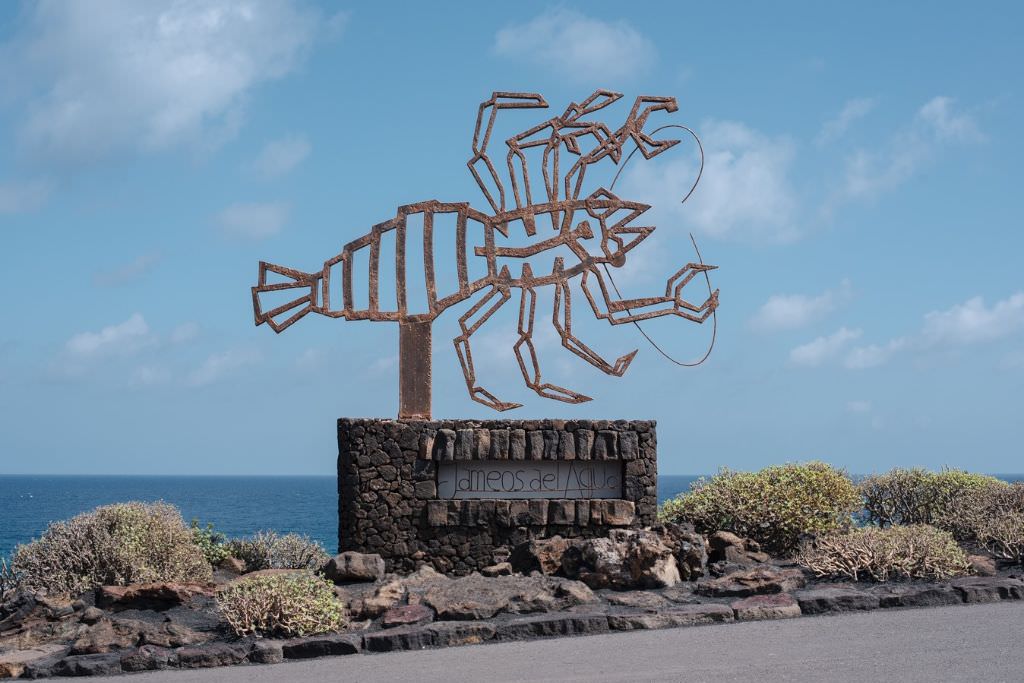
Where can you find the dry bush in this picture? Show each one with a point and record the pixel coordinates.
(917, 551)
(978, 508)
(775, 506)
(1002, 536)
(282, 605)
(919, 496)
(270, 550)
(112, 545)
(993, 518)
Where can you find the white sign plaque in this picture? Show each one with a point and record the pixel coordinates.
(512, 479)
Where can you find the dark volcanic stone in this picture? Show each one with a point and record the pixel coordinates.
(353, 566)
(388, 505)
(761, 580)
(988, 588)
(266, 652)
(551, 625)
(148, 658)
(636, 599)
(758, 607)
(407, 615)
(688, 615)
(435, 635)
(150, 596)
(916, 595)
(452, 633)
(88, 665)
(401, 638)
(212, 654)
(835, 599)
(321, 646)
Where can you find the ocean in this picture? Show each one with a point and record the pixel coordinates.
(237, 506)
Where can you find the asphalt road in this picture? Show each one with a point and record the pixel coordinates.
(959, 643)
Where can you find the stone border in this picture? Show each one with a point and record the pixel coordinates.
(589, 620)
(388, 502)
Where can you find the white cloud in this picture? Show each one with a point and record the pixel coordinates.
(280, 157)
(130, 272)
(852, 111)
(149, 375)
(253, 221)
(969, 323)
(576, 46)
(185, 332)
(101, 77)
(124, 338)
(937, 115)
(21, 197)
(745, 192)
(871, 173)
(792, 311)
(972, 322)
(873, 355)
(822, 349)
(859, 406)
(219, 365)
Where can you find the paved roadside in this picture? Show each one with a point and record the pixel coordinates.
(958, 643)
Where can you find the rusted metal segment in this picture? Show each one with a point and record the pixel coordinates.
(596, 229)
(414, 371)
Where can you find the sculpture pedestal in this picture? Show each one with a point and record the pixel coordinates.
(460, 494)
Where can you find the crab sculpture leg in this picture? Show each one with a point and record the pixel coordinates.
(531, 374)
(469, 323)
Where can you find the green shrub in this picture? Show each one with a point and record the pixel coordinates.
(281, 605)
(112, 545)
(917, 551)
(212, 542)
(269, 550)
(774, 506)
(919, 496)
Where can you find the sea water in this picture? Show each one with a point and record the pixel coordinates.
(237, 506)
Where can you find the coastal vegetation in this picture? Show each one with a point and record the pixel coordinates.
(775, 506)
(270, 550)
(916, 551)
(282, 605)
(905, 523)
(116, 544)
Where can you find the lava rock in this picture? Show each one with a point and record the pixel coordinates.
(149, 658)
(212, 654)
(539, 554)
(686, 615)
(759, 607)
(322, 646)
(627, 559)
(988, 589)
(916, 595)
(725, 546)
(761, 580)
(475, 597)
(407, 615)
(150, 596)
(499, 569)
(835, 599)
(547, 625)
(352, 566)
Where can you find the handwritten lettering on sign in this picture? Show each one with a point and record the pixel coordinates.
(542, 479)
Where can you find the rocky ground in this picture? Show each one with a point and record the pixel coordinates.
(634, 579)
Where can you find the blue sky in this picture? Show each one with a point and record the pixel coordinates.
(861, 197)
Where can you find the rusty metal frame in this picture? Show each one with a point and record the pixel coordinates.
(570, 133)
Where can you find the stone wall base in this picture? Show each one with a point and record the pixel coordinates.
(388, 499)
